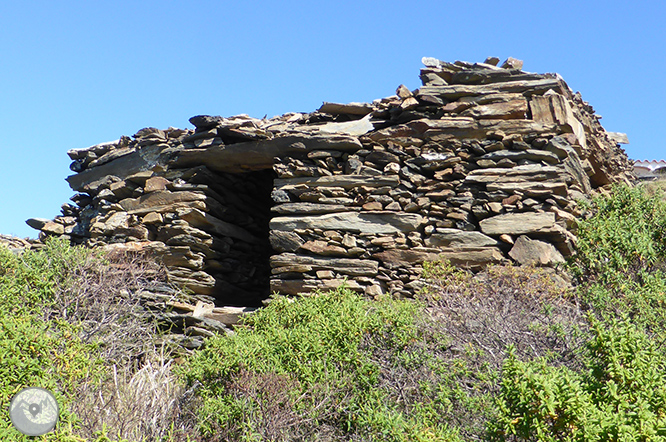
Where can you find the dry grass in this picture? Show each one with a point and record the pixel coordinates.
(135, 396)
(526, 308)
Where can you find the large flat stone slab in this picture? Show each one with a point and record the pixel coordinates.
(138, 161)
(347, 266)
(453, 92)
(258, 155)
(366, 222)
(344, 181)
(517, 223)
(470, 257)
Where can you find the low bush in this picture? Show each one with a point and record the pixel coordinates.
(326, 367)
(621, 256)
(619, 396)
(70, 323)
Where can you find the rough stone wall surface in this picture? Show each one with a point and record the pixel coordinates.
(482, 164)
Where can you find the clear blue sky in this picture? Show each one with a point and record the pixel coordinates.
(77, 73)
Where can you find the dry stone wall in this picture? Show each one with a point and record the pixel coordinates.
(482, 164)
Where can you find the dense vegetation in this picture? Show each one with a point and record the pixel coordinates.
(507, 354)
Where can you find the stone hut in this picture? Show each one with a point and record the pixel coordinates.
(482, 164)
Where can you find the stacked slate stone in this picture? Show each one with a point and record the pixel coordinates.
(483, 164)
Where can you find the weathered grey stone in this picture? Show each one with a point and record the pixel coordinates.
(37, 223)
(310, 208)
(137, 161)
(206, 122)
(347, 266)
(517, 223)
(459, 238)
(110, 156)
(374, 222)
(285, 241)
(344, 181)
(528, 251)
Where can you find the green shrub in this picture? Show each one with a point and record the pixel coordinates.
(625, 236)
(304, 369)
(34, 351)
(620, 396)
(68, 323)
(620, 257)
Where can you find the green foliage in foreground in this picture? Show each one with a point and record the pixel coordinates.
(35, 351)
(621, 256)
(298, 369)
(620, 392)
(620, 396)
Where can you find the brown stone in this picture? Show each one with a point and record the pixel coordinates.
(528, 251)
(403, 92)
(53, 228)
(510, 201)
(152, 218)
(501, 111)
(155, 183)
(466, 257)
(372, 205)
(348, 109)
(158, 201)
(323, 248)
(512, 63)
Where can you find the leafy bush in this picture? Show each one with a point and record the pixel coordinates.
(625, 236)
(304, 369)
(620, 257)
(68, 323)
(620, 396)
(619, 392)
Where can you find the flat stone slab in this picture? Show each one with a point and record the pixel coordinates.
(470, 257)
(344, 181)
(347, 266)
(366, 222)
(259, 155)
(459, 238)
(517, 223)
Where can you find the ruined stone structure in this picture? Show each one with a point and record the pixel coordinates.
(483, 164)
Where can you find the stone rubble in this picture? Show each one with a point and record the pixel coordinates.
(483, 164)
